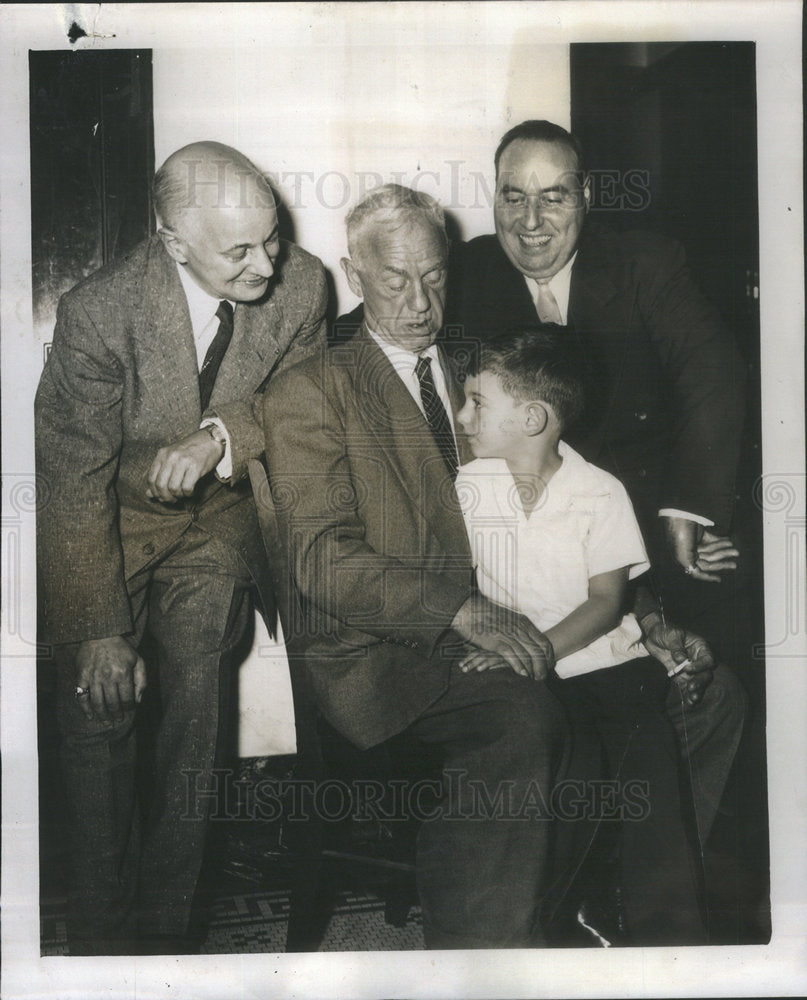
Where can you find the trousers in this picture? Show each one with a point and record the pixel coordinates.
(134, 864)
(483, 859)
(662, 760)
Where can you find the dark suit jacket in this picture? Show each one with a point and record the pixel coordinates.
(120, 382)
(375, 537)
(669, 411)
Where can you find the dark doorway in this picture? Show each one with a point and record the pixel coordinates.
(92, 160)
(670, 134)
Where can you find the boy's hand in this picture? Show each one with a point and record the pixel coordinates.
(700, 553)
(480, 659)
(507, 634)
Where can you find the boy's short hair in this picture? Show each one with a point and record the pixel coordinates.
(534, 363)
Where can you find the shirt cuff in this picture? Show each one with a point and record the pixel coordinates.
(224, 470)
(671, 512)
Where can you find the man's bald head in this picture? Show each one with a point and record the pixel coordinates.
(217, 218)
(206, 175)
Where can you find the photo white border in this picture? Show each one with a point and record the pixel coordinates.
(776, 969)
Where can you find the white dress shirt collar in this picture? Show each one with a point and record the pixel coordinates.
(404, 363)
(202, 309)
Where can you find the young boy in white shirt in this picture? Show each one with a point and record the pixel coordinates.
(556, 539)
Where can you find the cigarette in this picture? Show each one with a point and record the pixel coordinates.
(679, 668)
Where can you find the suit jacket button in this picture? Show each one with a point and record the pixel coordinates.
(194, 514)
(148, 549)
(641, 415)
(641, 473)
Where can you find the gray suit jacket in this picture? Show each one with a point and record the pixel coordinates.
(120, 382)
(369, 518)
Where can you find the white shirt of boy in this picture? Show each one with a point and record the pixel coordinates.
(582, 525)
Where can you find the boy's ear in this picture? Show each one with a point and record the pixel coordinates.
(173, 244)
(536, 418)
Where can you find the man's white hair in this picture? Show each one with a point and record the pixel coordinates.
(391, 204)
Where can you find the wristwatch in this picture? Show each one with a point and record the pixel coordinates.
(217, 434)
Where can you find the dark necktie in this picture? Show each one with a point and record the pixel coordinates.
(436, 415)
(215, 353)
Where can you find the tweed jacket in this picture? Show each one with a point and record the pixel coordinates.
(121, 381)
(369, 517)
(669, 403)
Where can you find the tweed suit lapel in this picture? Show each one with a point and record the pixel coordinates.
(167, 364)
(395, 421)
(253, 351)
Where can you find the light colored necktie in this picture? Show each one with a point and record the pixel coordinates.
(547, 304)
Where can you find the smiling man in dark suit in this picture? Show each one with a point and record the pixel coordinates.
(146, 414)
(362, 454)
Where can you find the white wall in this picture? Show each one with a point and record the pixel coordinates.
(332, 104)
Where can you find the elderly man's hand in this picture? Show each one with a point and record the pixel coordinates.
(673, 646)
(178, 467)
(700, 553)
(113, 675)
(509, 636)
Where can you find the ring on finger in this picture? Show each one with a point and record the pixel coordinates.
(82, 692)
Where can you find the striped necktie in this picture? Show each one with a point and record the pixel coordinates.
(436, 415)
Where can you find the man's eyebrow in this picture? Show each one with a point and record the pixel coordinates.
(246, 246)
(552, 189)
(436, 266)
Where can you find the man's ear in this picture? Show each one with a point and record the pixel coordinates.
(587, 191)
(174, 244)
(352, 276)
(536, 418)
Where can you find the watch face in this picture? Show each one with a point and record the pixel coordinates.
(216, 433)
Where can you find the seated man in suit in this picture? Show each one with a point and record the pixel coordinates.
(669, 418)
(146, 414)
(361, 453)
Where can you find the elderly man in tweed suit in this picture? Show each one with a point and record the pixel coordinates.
(146, 416)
